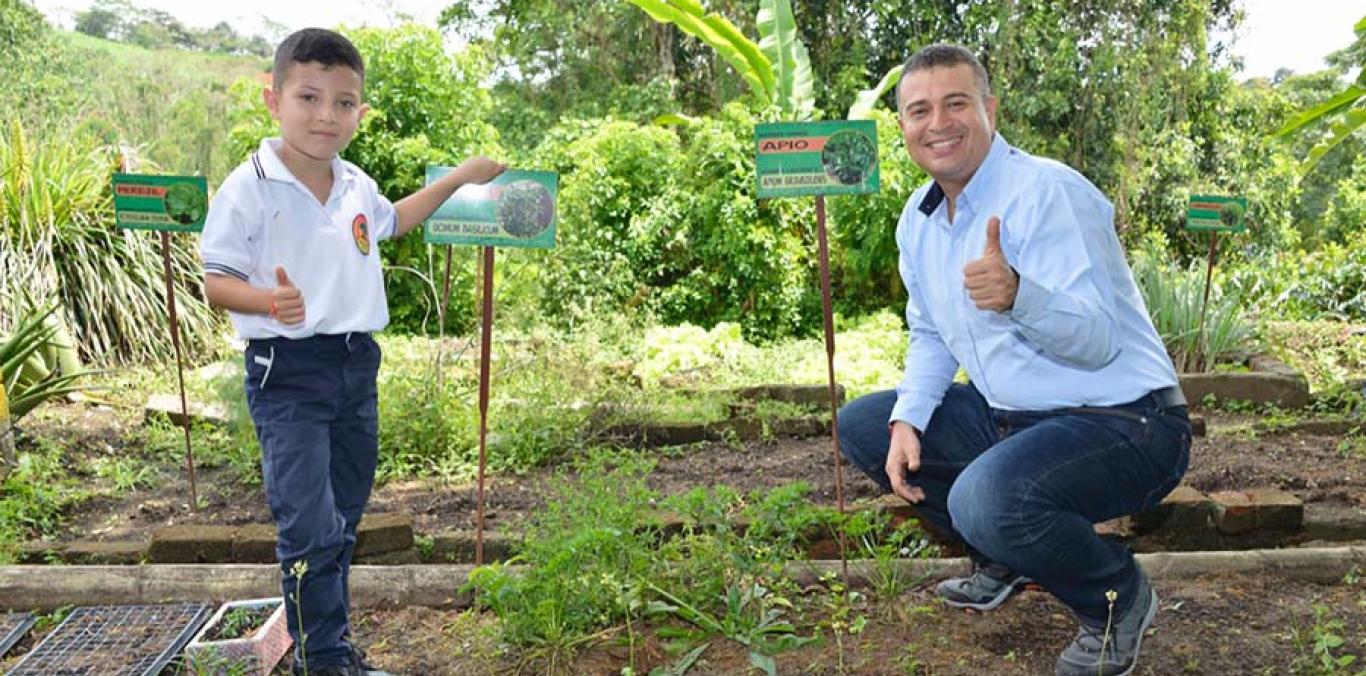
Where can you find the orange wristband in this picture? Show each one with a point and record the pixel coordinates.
(274, 311)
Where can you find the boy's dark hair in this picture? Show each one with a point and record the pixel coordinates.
(944, 56)
(316, 45)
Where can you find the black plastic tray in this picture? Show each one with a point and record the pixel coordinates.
(114, 641)
(24, 622)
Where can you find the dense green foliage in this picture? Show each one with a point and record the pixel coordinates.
(662, 220)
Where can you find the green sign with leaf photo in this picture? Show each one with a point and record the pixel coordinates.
(152, 202)
(816, 158)
(516, 209)
(1211, 213)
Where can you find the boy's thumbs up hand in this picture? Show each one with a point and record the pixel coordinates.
(990, 281)
(286, 300)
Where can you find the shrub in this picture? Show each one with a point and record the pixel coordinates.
(1175, 298)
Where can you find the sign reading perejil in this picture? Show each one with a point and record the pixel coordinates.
(816, 158)
(169, 203)
(1209, 213)
(516, 209)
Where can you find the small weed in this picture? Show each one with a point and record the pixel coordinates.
(1319, 647)
(886, 548)
(212, 663)
(298, 571)
(908, 662)
(1353, 446)
(126, 473)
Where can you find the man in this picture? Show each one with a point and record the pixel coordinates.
(1072, 415)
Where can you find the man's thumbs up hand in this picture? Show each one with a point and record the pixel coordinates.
(286, 300)
(990, 281)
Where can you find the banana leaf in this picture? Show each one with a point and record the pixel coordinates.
(719, 34)
(867, 99)
(782, 44)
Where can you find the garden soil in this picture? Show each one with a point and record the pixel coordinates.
(1315, 468)
(1216, 624)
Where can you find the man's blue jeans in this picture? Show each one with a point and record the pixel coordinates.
(314, 402)
(1025, 488)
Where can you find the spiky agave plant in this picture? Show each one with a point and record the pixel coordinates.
(37, 363)
(58, 241)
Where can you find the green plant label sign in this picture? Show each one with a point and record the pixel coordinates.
(816, 158)
(1209, 213)
(515, 209)
(147, 202)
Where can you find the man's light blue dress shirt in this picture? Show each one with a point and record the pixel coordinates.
(1079, 332)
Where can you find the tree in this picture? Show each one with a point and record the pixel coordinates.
(100, 21)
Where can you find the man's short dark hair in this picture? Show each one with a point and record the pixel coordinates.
(316, 45)
(944, 56)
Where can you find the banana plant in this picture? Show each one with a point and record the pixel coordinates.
(1351, 103)
(777, 69)
(867, 99)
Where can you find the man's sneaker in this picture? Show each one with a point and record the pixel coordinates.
(1083, 657)
(988, 587)
(364, 668)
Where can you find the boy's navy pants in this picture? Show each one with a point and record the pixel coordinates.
(315, 407)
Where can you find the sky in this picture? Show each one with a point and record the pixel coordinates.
(1274, 34)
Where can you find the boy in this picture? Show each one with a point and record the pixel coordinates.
(288, 251)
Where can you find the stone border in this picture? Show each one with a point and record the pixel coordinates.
(45, 588)
(741, 426)
(1186, 520)
(1270, 381)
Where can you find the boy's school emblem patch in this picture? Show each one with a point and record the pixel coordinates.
(360, 230)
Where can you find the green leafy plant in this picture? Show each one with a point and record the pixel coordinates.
(212, 663)
(752, 617)
(1174, 297)
(843, 605)
(1350, 105)
(241, 622)
(886, 548)
(1319, 646)
(867, 99)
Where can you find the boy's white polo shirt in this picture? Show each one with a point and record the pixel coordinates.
(263, 217)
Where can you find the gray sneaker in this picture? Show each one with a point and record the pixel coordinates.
(988, 587)
(1083, 657)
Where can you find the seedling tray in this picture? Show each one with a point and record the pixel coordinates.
(12, 628)
(114, 641)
